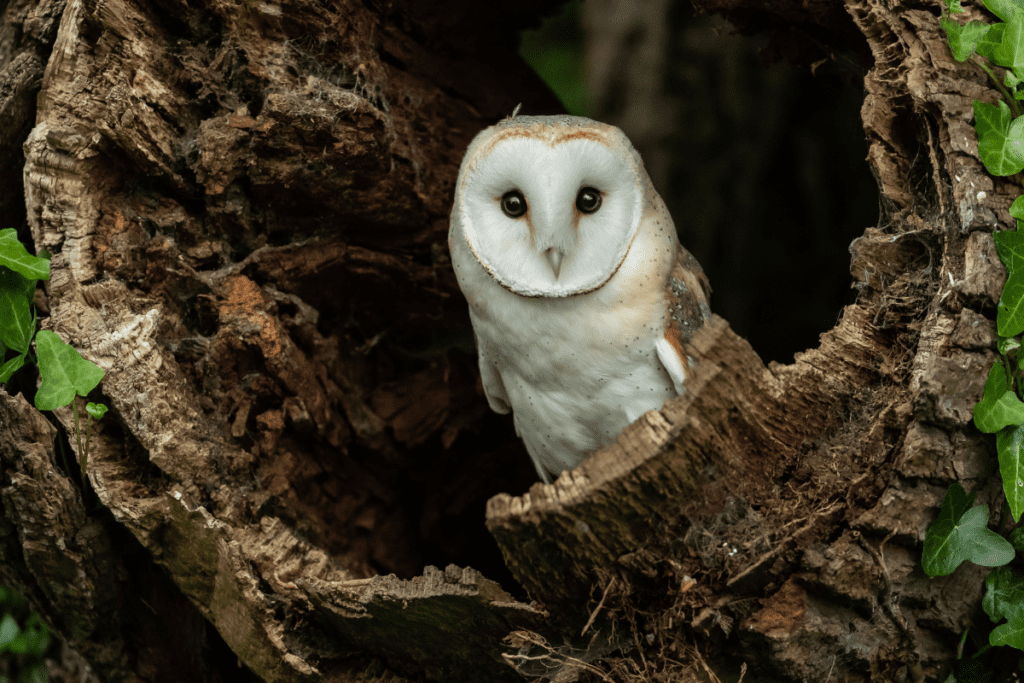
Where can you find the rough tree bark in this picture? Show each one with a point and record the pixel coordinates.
(246, 202)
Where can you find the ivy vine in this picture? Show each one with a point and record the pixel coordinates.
(63, 373)
(961, 531)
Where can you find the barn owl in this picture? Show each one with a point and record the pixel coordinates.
(579, 292)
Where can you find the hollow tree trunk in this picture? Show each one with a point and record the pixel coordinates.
(247, 205)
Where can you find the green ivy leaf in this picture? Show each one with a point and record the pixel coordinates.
(959, 535)
(1010, 446)
(33, 639)
(1011, 81)
(1010, 309)
(63, 371)
(1010, 312)
(954, 505)
(999, 407)
(16, 322)
(963, 40)
(1000, 138)
(9, 630)
(1010, 52)
(96, 410)
(1011, 633)
(1004, 592)
(1007, 10)
(11, 366)
(19, 283)
(1017, 539)
(991, 40)
(1010, 247)
(40, 635)
(954, 6)
(13, 255)
(1017, 208)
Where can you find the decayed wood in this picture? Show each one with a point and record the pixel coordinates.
(27, 32)
(243, 570)
(71, 560)
(556, 537)
(50, 544)
(421, 618)
(738, 424)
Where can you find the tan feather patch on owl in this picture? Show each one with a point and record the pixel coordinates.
(687, 296)
(552, 135)
(675, 340)
(581, 134)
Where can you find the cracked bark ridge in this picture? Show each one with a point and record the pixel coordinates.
(47, 533)
(424, 615)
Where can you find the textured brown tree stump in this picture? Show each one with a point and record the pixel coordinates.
(557, 538)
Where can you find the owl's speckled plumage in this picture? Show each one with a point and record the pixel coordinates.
(579, 317)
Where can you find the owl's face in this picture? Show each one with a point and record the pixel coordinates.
(549, 205)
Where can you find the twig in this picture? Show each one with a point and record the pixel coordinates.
(593, 615)
(707, 669)
(960, 645)
(888, 600)
(778, 547)
(639, 649)
(88, 438)
(356, 583)
(551, 658)
(83, 455)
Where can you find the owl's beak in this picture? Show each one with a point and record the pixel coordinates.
(555, 259)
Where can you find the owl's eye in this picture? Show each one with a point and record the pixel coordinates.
(513, 203)
(588, 200)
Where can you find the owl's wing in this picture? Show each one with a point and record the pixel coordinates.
(687, 294)
(494, 388)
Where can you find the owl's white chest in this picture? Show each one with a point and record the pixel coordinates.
(573, 381)
(574, 370)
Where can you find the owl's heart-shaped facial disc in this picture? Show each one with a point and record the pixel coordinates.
(549, 206)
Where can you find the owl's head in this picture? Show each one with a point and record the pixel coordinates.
(549, 205)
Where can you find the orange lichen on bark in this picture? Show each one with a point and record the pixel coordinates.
(244, 299)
